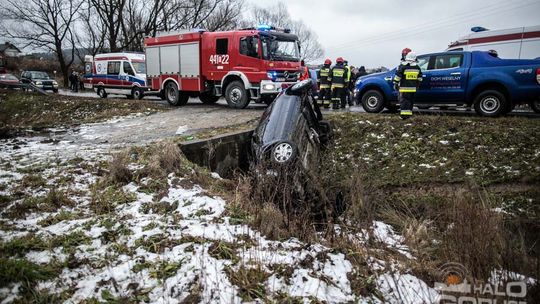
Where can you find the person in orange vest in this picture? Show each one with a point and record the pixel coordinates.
(304, 71)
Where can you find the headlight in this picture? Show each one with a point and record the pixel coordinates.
(269, 87)
(54, 82)
(39, 83)
(282, 152)
(271, 75)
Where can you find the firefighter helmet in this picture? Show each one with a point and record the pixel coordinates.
(328, 61)
(339, 60)
(411, 57)
(405, 51)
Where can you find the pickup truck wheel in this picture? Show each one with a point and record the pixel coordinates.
(535, 105)
(373, 101)
(207, 98)
(137, 93)
(101, 92)
(236, 95)
(490, 103)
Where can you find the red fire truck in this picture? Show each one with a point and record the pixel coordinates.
(241, 65)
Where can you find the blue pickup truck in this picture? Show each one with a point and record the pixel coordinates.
(491, 85)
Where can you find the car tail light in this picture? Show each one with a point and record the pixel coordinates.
(538, 75)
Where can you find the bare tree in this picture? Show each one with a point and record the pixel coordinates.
(90, 37)
(278, 16)
(126, 22)
(43, 24)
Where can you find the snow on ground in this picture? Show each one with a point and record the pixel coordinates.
(191, 251)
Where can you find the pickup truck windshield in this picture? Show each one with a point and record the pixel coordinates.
(280, 50)
(140, 67)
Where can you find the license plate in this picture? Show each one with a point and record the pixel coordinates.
(280, 79)
(87, 85)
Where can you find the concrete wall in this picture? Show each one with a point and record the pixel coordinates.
(222, 154)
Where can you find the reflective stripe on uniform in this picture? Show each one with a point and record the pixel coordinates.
(407, 89)
(324, 86)
(337, 85)
(397, 78)
(411, 74)
(406, 112)
(338, 73)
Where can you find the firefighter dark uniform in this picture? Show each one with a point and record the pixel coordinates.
(324, 84)
(338, 77)
(408, 77)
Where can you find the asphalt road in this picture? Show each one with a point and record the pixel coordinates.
(222, 104)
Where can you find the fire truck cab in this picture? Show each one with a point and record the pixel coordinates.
(242, 65)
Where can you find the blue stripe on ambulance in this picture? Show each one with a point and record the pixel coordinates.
(130, 78)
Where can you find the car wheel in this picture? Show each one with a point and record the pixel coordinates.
(236, 95)
(535, 105)
(101, 92)
(373, 101)
(55, 91)
(490, 103)
(137, 93)
(207, 98)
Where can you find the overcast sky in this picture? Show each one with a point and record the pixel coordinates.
(373, 33)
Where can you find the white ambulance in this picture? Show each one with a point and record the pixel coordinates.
(116, 73)
(514, 43)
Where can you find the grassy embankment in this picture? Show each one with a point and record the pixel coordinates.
(20, 111)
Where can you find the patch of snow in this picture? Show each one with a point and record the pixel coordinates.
(182, 129)
(406, 289)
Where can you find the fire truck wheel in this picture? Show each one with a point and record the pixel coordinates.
(137, 93)
(236, 95)
(208, 98)
(172, 95)
(101, 92)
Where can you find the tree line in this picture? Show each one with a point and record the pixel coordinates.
(96, 26)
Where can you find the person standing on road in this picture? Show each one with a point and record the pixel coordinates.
(323, 76)
(348, 90)
(304, 71)
(406, 80)
(338, 78)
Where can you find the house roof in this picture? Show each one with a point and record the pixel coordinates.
(7, 45)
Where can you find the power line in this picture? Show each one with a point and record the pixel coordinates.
(432, 26)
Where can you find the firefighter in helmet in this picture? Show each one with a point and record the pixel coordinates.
(338, 78)
(324, 84)
(406, 80)
(404, 53)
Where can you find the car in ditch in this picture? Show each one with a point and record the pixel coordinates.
(31, 80)
(287, 148)
(291, 130)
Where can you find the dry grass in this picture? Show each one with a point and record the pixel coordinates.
(19, 111)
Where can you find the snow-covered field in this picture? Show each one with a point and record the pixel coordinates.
(177, 246)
